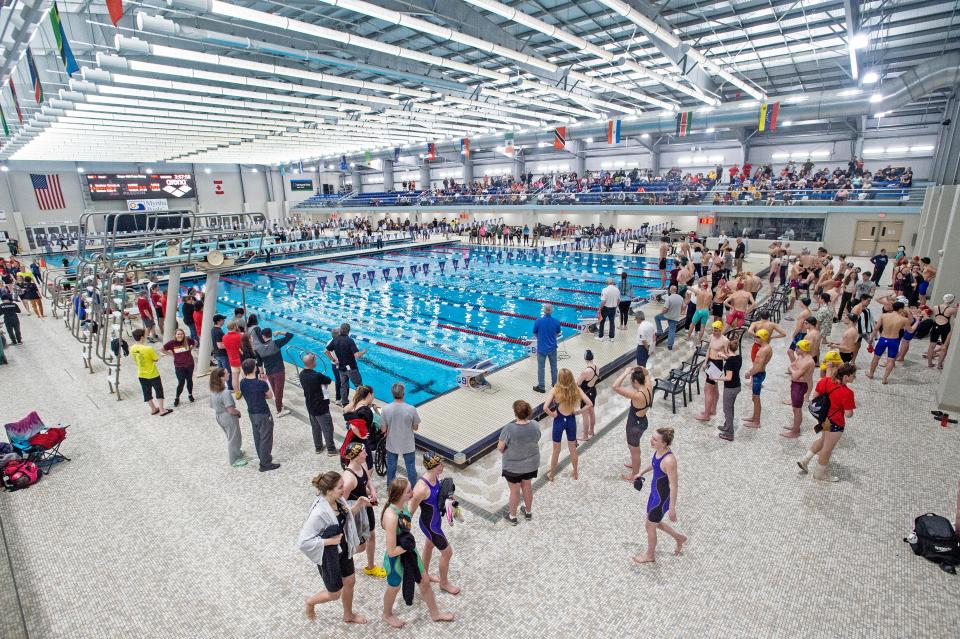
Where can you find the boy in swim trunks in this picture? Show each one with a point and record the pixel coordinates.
(702, 315)
(426, 496)
(889, 327)
(758, 373)
(763, 324)
(801, 374)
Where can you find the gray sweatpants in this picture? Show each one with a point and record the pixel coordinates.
(263, 436)
(231, 428)
(322, 427)
(729, 401)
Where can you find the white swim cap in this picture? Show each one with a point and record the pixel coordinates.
(948, 298)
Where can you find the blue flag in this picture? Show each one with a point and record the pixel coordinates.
(339, 278)
(356, 279)
(371, 275)
(322, 282)
(441, 265)
(426, 269)
(386, 274)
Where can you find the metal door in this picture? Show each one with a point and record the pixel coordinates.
(873, 235)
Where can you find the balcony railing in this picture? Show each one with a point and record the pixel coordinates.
(877, 196)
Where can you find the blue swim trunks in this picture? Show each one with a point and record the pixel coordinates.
(757, 379)
(892, 346)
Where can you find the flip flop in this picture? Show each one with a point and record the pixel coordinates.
(166, 412)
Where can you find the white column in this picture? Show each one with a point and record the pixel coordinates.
(173, 303)
(948, 389)
(209, 310)
(425, 182)
(388, 182)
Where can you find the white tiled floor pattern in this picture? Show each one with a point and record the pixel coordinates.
(148, 533)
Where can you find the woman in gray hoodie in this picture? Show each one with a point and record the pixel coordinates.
(329, 538)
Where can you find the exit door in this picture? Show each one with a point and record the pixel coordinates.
(873, 235)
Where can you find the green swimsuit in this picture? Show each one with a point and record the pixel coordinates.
(393, 565)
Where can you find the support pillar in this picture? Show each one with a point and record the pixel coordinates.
(948, 388)
(946, 161)
(943, 231)
(468, 170)
(388, 183)
(519, 166)
(209, 310)
(357, 178)
(173, 303)
(579, 157)
(655, 159)
(425, 181)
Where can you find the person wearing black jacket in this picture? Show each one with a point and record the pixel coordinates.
(187, 309)
(10, 309)
(317, 399)
(269, 353)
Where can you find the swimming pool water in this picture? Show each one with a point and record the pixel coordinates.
(472, 303)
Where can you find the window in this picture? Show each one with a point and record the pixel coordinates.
(801, 229)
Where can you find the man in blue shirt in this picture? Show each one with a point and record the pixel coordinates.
(546, 330)
(256, 392)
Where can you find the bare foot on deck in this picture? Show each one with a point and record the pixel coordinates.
(679, 549)
(643, 559)
(442, 616)
(355, 618)
(309, 609)
(450, 588)
(395, 621)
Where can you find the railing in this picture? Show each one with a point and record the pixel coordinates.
(882, 196)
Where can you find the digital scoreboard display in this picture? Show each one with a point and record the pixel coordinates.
(126, 187)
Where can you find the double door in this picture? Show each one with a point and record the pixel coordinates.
(873, 235)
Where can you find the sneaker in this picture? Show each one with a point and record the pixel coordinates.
(825, 476)
(176, 402)
(599, 338)
(526, 515)
(319, 451)
(271, 466)
(239, 463)
(513, 520)
(376, 571)
(332, 453)
(802, 463)
(191, 398)
(539, 389)
(283, 413)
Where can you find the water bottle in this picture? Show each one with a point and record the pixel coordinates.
(912, 537)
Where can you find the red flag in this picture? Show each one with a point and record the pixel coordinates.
(560, 138)
(115, 7)
(16, 103)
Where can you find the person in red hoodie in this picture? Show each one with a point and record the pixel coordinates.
(145, 309)
(198, 313)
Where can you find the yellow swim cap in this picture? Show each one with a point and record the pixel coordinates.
(832, 356)
(763, 334)
(804, 345)
(717, 324)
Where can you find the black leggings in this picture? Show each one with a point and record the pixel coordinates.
(624, 312)
(184, 376)
(844, 303)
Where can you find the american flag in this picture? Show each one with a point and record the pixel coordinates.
(47, 190)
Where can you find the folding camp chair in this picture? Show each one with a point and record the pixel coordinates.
(20, 432)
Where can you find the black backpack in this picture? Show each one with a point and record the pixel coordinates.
(819, 406)
(936, 540)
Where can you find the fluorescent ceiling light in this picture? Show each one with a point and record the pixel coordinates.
(787, 123)
(925, 147)
(860, 41)
(873, 151)
(876, 97)
(897, 149)
(710, 130)
(848, 92)
(870, 77)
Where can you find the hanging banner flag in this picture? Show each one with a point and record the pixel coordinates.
(499, 258)
(768, 116)
(396, 154)
(386, 274)
(339, 278)
(63, 45)
(322, 282)
(684, 123)
(356, 279)
(291, 286)
(488, 259)
(426, 269)
(34, 77)
(431, 151)
(371, 275)
(367, 157)
(441, 265)
(465, 147)
(16, 103)
(413, 270)
(508, 144)
(3, 120)
(344, 165)
(456, 263)
(613, 132)
(399, 272)
(560, 138)
(466, 262)
(115, 7)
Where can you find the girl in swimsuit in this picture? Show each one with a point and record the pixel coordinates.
(940, 331)
(395, 520)
(640, 394)
(567, 397)
(663, 495)
(426, 498)
(588, 384)
(357, 484)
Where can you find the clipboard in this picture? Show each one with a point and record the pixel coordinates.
(713, 372)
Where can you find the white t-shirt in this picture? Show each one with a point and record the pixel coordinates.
(610, 296)
(646, 334)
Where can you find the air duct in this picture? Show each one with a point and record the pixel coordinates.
(910, 86)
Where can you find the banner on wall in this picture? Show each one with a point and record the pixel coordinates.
(148, 205)
(301, 185)
(218, 187)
